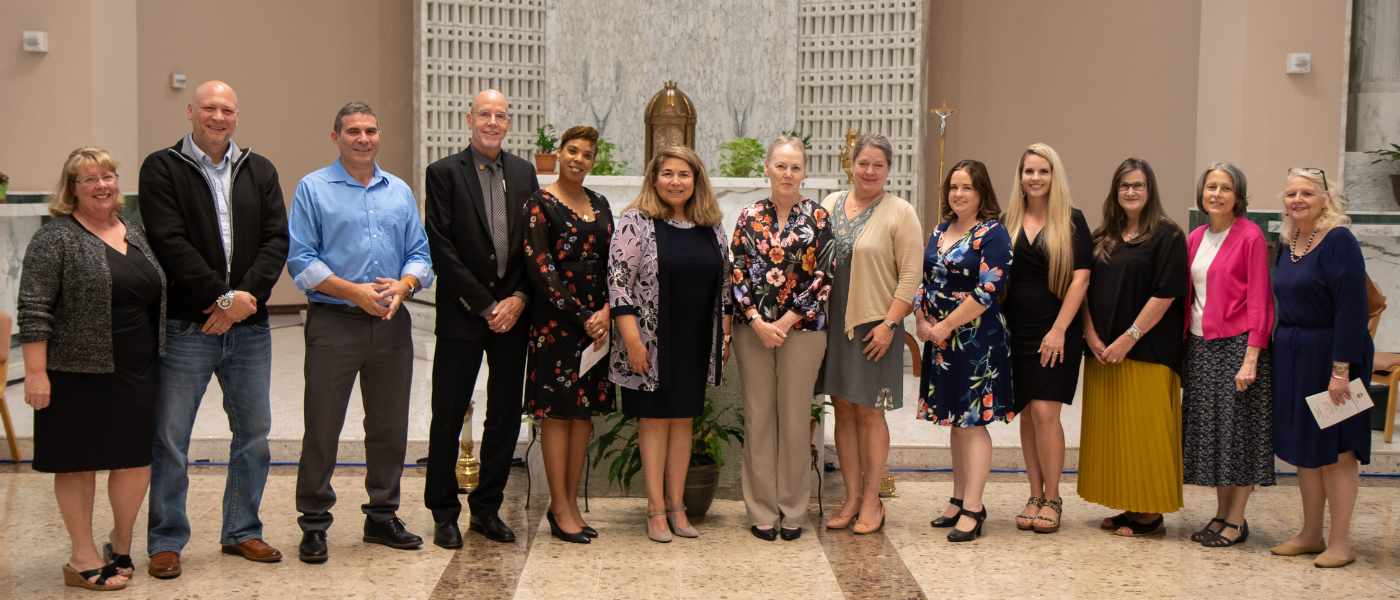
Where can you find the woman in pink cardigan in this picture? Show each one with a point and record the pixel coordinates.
(1227, 396)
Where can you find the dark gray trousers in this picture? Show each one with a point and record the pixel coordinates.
(342, 343)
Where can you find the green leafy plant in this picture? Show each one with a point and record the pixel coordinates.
(546, 141)
(742, 157)
(709, 433)
(806, 139)
(818, 410)
(603, 163)
(1390, 155)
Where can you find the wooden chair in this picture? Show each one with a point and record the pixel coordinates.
(1375, 304)
(5, 324)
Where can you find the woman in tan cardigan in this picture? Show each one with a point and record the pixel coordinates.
(878, 247)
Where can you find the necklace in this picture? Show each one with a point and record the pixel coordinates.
(1293, 247)
(1130, 235)
(586, 214)
(860, 207)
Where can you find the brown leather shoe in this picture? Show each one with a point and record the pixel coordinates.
(255, 550)
(164, 565)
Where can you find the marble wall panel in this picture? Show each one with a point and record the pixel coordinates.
(737, 61)
(14, 239)
(1382, 256)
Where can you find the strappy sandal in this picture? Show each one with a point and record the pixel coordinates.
(73, 578)
(1205, 532)
(1158, 525)
(1217, 539)
(1050, 526)
(122, 561)
(1114, 522)
(1030, 521)
(943, 521)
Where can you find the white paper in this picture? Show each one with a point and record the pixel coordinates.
(591, 356)
(1329, 414)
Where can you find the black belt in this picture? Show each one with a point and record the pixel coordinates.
(343, 309)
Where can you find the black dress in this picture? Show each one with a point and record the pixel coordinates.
(1031, 309)
(106, 421)
(566, 260)
(690, 265)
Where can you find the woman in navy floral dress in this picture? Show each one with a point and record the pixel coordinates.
(967, 351)
(566, 249)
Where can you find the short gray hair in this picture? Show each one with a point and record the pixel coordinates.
(877, 141)
(352, 109)
(786, 140)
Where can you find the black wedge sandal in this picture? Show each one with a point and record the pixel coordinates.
(121, 561)
(1217, 539)
(74, 578)
(1205, 532)
(943, 521)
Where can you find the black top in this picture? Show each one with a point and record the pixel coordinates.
(1030, 307)
(690, 268)
(1120, 287)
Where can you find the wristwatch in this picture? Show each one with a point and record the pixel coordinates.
(225, 301)
(1135, 332)
(892, 325)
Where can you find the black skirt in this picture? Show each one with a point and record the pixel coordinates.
(106, 421)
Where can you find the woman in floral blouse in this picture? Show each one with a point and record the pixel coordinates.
(967, 350)
(781, 254)
(566, 247)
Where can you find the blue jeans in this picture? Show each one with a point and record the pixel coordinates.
(242, 360)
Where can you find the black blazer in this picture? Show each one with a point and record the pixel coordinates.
(459, 238)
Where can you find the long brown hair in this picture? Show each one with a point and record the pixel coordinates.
(1058, 232)
(702, 207)
(987, 208)
(1115, 219)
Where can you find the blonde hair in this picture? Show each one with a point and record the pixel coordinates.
(702, 207)
(1334, 206)
(63, 201)
(1059, 228)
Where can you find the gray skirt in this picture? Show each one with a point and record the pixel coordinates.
(845, 372)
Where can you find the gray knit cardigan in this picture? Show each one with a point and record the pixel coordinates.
(65, 295)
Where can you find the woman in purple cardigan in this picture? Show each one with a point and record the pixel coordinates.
(1227, 396)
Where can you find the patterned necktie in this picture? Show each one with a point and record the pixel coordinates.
(500, 231)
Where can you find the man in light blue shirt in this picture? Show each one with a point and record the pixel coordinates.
(358, 250)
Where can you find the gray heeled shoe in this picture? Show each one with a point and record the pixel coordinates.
(663, 536)
(685, 532)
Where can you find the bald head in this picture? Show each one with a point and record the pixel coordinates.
(489, 120)
(213, 114)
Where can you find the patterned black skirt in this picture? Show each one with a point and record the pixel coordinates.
(1227, 436)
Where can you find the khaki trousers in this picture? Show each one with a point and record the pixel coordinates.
(777, 389)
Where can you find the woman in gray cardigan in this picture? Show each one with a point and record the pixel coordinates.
(91, 323)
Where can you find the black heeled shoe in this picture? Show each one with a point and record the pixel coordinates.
(576, 538)
(943, 521)
(589, 531)
(958, 535)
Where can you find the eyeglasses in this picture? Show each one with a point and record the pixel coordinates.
(1312, 171)
(109, 179)
(487, 117)
(1136, 186)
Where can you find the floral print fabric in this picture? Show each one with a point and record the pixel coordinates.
(781, 269)
(967, 377)
(566, 261)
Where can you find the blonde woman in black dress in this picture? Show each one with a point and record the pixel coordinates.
(566, 254)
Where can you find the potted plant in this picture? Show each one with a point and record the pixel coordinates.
(806, 139)
(4, 185)
(742, 157)
(818, 410)
(545, 159)
(1390, 155)
(603, 163)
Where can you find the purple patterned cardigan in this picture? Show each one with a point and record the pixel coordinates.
(633, 289)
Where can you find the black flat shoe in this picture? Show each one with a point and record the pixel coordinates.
(313, 547)
(1206, 532)
(766, 535)
(492, 527)
(943, 521)
(590, 532)
(391, 533)
(790, 533)
(1217, 539)
(1154, 527)
(447, 535)
(958, 535)
(575, 538)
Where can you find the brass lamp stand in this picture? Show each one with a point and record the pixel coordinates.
(468, 469)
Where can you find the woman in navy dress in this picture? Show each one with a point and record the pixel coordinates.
(967, 351)
(1321, 343)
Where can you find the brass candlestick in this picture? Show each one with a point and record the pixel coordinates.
(887, 486)
(468, 469)
(848, 154)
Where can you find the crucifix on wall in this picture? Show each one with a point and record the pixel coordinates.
(943, 114)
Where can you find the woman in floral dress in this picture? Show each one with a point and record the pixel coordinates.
(967, 350)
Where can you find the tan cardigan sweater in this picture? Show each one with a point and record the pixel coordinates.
(886, 263)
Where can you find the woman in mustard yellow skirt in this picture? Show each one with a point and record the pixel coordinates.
(1134, 316)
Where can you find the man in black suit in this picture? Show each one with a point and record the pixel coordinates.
(476, 235)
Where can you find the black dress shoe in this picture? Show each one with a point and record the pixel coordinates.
(590, 532)
(790, 533)
(576, 538)
(492, 527)
(313, 547)
(766, 535)
(447, 535)
(390, 533)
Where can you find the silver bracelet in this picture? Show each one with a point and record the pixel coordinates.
(1135, 332)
